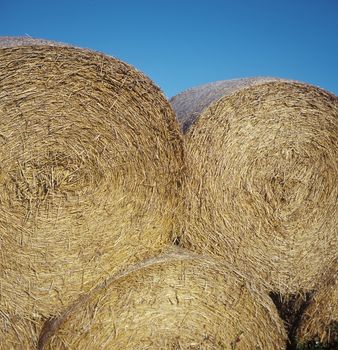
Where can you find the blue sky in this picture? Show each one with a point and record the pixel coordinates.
(181, 44)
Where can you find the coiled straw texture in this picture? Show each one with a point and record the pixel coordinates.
(91, 159)
(261, 188)
(175, 301)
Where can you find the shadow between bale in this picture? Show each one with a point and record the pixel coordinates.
(319, 321)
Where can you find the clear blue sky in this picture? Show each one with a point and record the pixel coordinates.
(184, 43)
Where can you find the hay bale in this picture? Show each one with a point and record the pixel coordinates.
(189, 104)
(15, 41)
(176, 301)
(320, 319)
(262, 186)
(91, 159)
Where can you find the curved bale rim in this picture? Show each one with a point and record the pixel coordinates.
(15, 41)
(91, 158)
(320, 319)
(176, 301)
(189, 104)
(262, 185)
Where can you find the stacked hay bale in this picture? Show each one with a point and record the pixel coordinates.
(90, 196)
(320, 319)
(177, 301)
(91, 161)
(262, 185)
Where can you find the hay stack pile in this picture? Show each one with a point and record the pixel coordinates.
(91, 167)
(91, 159)
(176, 301)
(262, 185)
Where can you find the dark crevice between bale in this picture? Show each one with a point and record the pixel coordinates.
(318, 326)
(290, 310)
(317, 345)
(49, 328)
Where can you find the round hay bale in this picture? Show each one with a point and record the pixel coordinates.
(189, 104)
(320, 319)
(15, 41)
(91, 159)
(262, 185)
(176, 301)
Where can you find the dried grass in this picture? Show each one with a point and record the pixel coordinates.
(175, 301)
(320, 319)
(91, 159)
(18, 333)
(262, 186)
(15, 41)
